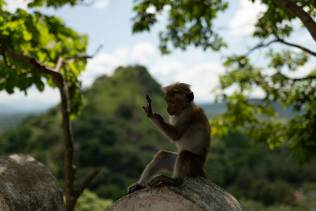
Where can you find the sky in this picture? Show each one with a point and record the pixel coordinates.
(109, 23)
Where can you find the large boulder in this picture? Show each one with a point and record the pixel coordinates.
(195, 194)
(26, 184)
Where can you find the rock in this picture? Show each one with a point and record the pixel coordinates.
(27, 185)
(195, 194)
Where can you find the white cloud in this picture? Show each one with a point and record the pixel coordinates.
(12, 5)
(243, 21)
(165, 69)
(101, 4)
(33, 99)
(105, 62)
(143, 53)
(203, 78)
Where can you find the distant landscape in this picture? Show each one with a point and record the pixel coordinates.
(10, 116)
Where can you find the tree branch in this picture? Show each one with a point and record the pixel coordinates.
(306, 78)
(260, 45)
(86, 182)
(71, 59)
(291, 7)
(313, 53)
(59, 64)
(55, 73)
(32, 61)
(280, 40)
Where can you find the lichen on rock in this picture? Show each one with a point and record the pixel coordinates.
(26, 184)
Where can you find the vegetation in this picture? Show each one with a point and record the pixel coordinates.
(118, 138)
(190, 23)
(39, 50)
(90, 201)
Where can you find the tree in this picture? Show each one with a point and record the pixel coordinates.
(191, 23)
(40, 50)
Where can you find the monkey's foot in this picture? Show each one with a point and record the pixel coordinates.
(164, 180)
(135, 187)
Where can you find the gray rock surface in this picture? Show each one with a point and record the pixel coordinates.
(196, 194)
(27, 185)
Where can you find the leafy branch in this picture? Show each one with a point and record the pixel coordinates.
(294, 9)
(71, 195)
(280, 40)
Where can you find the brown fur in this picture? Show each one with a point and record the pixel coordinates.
(189, 129)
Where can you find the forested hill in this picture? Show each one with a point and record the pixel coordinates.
(111, 132)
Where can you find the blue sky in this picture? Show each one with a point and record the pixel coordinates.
(108, 22)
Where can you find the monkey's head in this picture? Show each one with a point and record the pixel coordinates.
(178, 96)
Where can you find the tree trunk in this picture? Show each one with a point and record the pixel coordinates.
(69, 150)
(291, 7)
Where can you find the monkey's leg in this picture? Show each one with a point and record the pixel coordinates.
(162, 160)
(187, 164)
(165, 180)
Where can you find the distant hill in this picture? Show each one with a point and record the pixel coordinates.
(10, 120)
(12, 115)
(215, 109)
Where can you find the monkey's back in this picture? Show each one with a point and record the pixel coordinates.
(196, 139)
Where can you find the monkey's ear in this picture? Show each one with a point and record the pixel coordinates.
(190, 97)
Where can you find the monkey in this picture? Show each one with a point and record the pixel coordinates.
(188, 128)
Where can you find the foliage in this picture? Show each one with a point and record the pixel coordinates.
(249, 170)
(90, 201)
(189, 23)
(192, 22)
(48, 3)
(307, 204)
(45, 39)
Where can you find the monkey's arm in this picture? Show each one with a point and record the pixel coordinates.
(171, 131)
(174, 132)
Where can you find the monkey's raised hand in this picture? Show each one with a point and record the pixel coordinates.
(148, 109)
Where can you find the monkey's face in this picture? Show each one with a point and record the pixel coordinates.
(176, 103)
